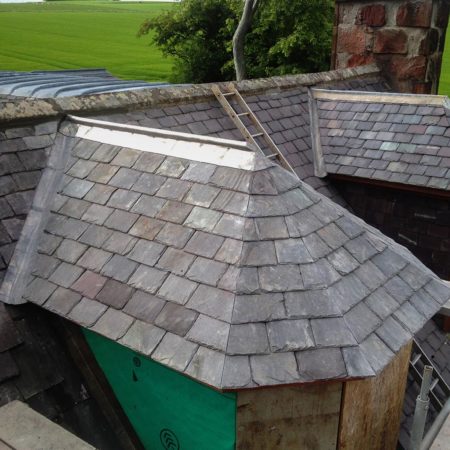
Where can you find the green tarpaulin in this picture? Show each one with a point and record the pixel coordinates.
(167, 410)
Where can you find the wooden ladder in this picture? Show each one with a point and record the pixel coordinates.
(270, 149)
(420, 359)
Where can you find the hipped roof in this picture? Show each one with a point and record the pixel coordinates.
(213, 261)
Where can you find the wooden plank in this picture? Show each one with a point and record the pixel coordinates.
(372, 408)
(288, 418)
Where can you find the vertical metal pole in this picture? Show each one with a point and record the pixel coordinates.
(421, 411)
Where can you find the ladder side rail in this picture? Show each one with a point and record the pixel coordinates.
(234, 117)
(269, 141)
(433, 398)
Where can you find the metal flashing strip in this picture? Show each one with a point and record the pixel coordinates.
(378, 97)
(319, 163)
(221, 152)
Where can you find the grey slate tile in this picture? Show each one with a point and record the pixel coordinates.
(199, 172)
(276, 368)
(147, 279)
(123, 199)
(332, 332)
(74, 208)
(320, 364)
(94, 259)
(126, 157)
(236, 371)
(174, 235)
(148, 183)
(172, 167)
(259, 253)
(70, 251)
(146, 252)
(100, 193)
(65, 275)
(206, 271)
(176, 318)
(146, 228)
(89, 284)
(62, 301)
(78, 188)
(393, 334)
(142, 337)
(87, 312)
(311, 304)
(121, 220)
(148, 162)
(389, 262)
(398, 289)
(257, 308)
(174, 211)
(362, 321)
(381, 303)
(318, 274)
(376, 352)
(347, 292)
(342, 261)
(209, 332)
(409, 317)
(120, 243)
(201, 195)
(213, 302)
(355, 362)
(176, 261)
(280, 278)
(174, 189)
(230, 251)
(370, 275)
(292, 251)
(144, 306)
(115, 294)
(204, 244)
(231, 226)
(207, 366)
(113, 324)
(289, 335)
(39, 290)
(119, 267)
(124, 178)
(102, 173)
(361, 249)
(177, 289)
(250, 338)
(316, 246)
(202, 219)
(174, 351)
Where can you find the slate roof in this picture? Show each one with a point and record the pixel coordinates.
(235, 273)
(398, 138)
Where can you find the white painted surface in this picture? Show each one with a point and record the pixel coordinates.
(442, 441)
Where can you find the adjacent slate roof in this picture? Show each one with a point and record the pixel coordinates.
(398, 138)
(64, 83)
(231, 271)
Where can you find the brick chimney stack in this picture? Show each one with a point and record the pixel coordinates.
(405, 37)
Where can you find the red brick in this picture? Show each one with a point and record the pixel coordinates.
(415, 13)
(360, 60)
(422, 87)
(403, 68)
(372, 15)
(390, 40)
(351, 40)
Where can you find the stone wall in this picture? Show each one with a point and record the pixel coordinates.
(417, 221)
(405, 37)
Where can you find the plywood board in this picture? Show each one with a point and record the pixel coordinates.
(289, 418)
(371, 408)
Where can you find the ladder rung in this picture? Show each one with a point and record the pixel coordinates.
(416, 359)
(273, 155)
(257, 135)
(227, 94)
(434, 383)
(243, 114)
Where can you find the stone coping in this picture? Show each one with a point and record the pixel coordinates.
(27, 109)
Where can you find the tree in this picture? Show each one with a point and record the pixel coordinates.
(292, 36)
(242, 29)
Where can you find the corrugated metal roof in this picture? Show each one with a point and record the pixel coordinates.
(65, 83)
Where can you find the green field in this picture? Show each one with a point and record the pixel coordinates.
(444, 84)
(75, 34)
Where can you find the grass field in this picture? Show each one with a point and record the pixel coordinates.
(444, 83)
(74, 34)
